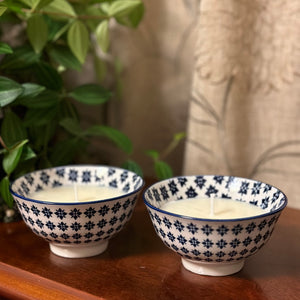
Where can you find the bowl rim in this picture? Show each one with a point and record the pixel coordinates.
(14, 193)
(148, 204)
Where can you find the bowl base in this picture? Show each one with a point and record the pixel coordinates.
(78, 251)
(212, 269)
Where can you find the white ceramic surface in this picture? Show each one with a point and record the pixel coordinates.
(215, 247)
(79, 229)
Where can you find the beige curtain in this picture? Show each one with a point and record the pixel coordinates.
(244, 111)
(227, 73)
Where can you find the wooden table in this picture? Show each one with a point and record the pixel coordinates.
(137, 265)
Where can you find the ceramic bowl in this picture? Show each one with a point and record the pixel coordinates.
(214, 247)
(78, 229)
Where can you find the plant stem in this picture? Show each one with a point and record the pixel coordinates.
(82, 17)
(2, 143)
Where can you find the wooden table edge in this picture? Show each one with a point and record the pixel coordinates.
(20, 284)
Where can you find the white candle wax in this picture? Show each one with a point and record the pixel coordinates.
(222, 208)
(78, 193)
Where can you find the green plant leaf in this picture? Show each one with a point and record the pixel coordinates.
(54, 26)
(37, 32)
(114, 135)
(48, 76)
(60, 9)
(27, 153)
(134, 18)
(45, 99)
(67, 110)
(40, 116)
(133, 166)
(102, 35)
(12, 129)
(179, 136)
(42, 136)
(90, 94)
(153, 154)
(120, 8)
(78, 40)
(29, 3)
(5, 48)
(22, 57)
(5, 193)
(72, 126)
(64, 57)
(58, 29)
(31, 90)
(162, 170)
(2, 10)
(38, 4)
(95, 14)
(12, 157)
(63, 152)
(9, 91)
(13, 6)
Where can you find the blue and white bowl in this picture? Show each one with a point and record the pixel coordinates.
(78, 229)
(214, 246)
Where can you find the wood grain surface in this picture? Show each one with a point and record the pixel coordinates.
(137, 265)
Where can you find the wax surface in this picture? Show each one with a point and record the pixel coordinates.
(222, 208)
(78, 193)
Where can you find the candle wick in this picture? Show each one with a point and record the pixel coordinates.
(75, 192)
(212, 207)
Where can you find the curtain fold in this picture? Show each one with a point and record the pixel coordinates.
(244, 108)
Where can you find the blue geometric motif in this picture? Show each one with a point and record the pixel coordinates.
(75, 213)
(104, 210)
(173, 187)
(167, 223)
(192, 228)
(182, 181)
(235, 243)
(47, 212)
(194, 242)
(221, 243)
(178, 225)
(191, 193)
(86, 176)
(244, 188)
(44, 178)
(73, 174)
(207, 243)
(256, 188)
(207, 229)
(62, 226)
(60, 213)
(116, 207)
(211, 190)
(171, 236)
(90, 212)
(76, 226)
(222, 230)
(35, 210)
(237, 229)
(200, 181)
(164, 193)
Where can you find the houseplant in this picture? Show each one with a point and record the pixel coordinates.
(40, 119)
(40, 123)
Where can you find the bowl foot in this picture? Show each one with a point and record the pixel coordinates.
(212, 269)
(77, 251)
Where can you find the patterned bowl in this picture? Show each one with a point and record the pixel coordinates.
(207, 246)
(77, 229)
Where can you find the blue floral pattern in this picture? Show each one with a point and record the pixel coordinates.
(81, 222)
(214, 240)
